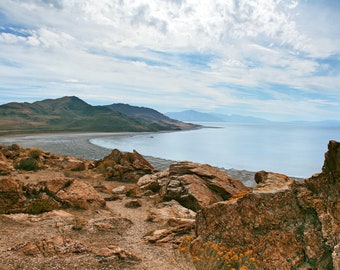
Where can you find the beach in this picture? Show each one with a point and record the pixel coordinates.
(78, 145)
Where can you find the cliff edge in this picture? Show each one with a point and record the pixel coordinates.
(280, 224)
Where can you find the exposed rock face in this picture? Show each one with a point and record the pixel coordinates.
(80, 195)
(15, 197)
(11, 196)
(14, 156)
(197, 185)
(286, 224)
(125, 167)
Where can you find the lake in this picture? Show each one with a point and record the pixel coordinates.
(291, 149)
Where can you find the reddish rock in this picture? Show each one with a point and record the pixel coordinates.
(153, 182)
(56, 184)
(2, 156)
(80, 195)
(15, 197)
(170, 213)
(271, 182)
(133, 204)
(11, 152)
(169, 235)
(125, 167)
(11, 196)
(55, 246)
(197, 185)
(283, 223)
(73, 164)
(4, 166)
(117, 252)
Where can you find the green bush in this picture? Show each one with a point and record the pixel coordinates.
(35, 153)
(27, 164)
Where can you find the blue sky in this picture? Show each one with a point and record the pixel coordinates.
(276, 59)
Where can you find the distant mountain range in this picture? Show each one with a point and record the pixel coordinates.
(71, 114)
(195, 116)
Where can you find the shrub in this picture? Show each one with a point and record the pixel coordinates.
(27, 164)
(35, 153)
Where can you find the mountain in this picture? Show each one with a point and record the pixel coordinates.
(71, 114)
(195, 116)
(146, 116)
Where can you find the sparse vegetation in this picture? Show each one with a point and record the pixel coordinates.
(211, 256)
(41, 206)
(27, 164)
(35, 153)
(74, 115)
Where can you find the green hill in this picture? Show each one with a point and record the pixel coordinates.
(71, 114)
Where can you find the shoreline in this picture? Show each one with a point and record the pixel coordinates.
(79, 145)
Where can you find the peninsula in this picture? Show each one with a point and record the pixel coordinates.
(71, 114)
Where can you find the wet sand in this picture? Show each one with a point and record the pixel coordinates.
(78, 144)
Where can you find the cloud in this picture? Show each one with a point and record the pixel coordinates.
(212, 54)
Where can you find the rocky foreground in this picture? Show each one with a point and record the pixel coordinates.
(62, 212)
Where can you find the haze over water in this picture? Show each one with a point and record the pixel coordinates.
(291, 149)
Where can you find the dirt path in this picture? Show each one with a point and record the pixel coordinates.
(153, 257)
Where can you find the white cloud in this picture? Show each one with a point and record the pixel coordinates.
(179, 49)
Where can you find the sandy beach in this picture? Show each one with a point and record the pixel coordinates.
(78, 144)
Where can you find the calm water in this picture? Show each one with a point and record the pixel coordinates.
(285, 148)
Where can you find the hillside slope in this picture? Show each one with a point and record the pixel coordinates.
(70, 114)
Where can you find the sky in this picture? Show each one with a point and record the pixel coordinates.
(275, 59)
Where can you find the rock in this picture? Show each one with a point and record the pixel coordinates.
(73, 164)
(149, 182)
(119, 190)
(4, 168)
(169, 235)
(55, 246)
(57, 184)
(115, 251)
(271, 182)
(11, 196)
(284, 224)
(80, 195)
(196, 185)
(115, 225)
(170, 212)
(125, 167)
(133, 204)
(15, 197)
(11, 152)
(336, 257)
(154, 182)
(55, 215)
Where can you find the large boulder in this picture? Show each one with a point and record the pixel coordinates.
(124, 166)
(80, 195)
(44, 196)
(197, 185)
(282, 223)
